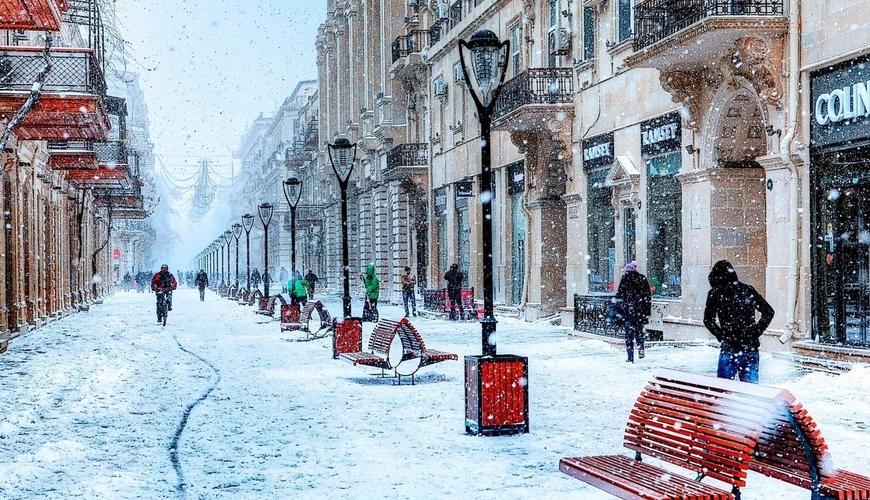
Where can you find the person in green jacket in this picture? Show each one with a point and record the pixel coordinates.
(297, 287)
(373, 286)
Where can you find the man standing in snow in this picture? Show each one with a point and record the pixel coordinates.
(634, 302)
(730, 316)
(454, 278)
(201, 283)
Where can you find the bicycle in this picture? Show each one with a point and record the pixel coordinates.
(162, 306)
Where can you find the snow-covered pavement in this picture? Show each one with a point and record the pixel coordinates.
(92, 405)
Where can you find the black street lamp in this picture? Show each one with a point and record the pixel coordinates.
(293, 193)
(342, 154)
(219, 246)
(228, 237)
(503, 407)
(237, 233)
(247, 224)
(265, 210)
(488, 64)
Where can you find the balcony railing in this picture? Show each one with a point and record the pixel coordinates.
(311, 137)
(111, 153)
(412, 43)
(407, 155)
(72, 70)
(535, 86)
(437, 29)
(655, 20)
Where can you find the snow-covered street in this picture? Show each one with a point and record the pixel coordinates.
(107, 404)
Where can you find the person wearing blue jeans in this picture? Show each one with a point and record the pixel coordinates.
(409, 281)
(730, 316)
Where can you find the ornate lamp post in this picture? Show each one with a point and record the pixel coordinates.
(247, 224)
(228, 237)
(342, 154)
(265, 211)
(506, 412)
(293, 193)
(237, 233)
(219, 246)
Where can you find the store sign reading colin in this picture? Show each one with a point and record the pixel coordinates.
(841, 104)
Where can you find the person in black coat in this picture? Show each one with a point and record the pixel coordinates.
(633, 303)
(454, 278)
(730, 316)
(201, 283)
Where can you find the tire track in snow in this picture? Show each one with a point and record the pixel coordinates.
(173, 446)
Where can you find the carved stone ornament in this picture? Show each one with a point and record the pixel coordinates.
(754, 61)
(687, 87)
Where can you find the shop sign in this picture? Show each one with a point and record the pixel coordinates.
(116, 254)
(516, 177)
(465, 189)
(661, 135)
(440, 200)
(598, 151)
(841, 104)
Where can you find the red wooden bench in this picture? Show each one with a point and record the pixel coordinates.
(303, 322)
(720, 429)
(267, 305)
(413, 348)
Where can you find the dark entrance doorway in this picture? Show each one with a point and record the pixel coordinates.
(842, 252)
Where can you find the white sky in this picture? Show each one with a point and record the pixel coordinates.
(92, 403)
(208, 68)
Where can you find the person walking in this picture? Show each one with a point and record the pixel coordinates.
(373, 291)
(454, 278)
(201, 282)
(730, 316)
(255, 278)
(409, 281)
(311, 278)
(633, 304)
(284, 277)
(126, 282)
(297, 287)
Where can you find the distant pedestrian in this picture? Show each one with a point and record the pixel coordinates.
(297, 287)
(201, 282)
(730, 316)
(373, 292)
(454, 278)
(311, 278)
(283, 277)
(125, 282)
(633, 304)
(409, 281)
(255, 278)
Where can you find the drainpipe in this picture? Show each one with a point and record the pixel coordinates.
(792, 279)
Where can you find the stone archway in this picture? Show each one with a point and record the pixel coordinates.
(736, 139)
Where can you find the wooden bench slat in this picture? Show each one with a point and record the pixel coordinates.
(630, 479)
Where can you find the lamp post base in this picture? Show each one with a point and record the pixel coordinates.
(496, 395)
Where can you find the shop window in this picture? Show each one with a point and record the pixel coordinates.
(600, 233)
(664, 225)
(625, 16)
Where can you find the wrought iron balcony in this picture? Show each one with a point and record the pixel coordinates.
(111, 153)
(311, 137)
(406, 159)
(445, 21)
(708, 28)
(72, 70)
(535, 87)
(412, 43)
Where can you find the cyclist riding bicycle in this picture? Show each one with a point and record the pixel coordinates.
(163, 283)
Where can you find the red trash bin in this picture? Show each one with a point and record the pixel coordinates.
(290, 317)
(496, 395)
(346, 336)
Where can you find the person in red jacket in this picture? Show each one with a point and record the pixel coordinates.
(164, 282)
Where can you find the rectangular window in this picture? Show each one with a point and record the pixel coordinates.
(516, 38)
(600, 233)
(588, 33)
(625, 21)
(664, 225)
(554, 12)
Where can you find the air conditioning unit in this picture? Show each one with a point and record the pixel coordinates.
(560, 42)
(439, 88)
(457, 74)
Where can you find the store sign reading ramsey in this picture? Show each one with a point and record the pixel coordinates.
(597, 151)
(850, 101)
(659, 134)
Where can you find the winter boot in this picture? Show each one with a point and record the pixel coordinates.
(640, 352)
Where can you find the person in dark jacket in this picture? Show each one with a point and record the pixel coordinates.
(633, 303)
(730, 316)
(201, 282)
(311, 278)
(255, 278)
(454, 278)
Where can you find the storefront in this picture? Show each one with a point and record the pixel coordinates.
(516, 190)
(840, 201)
(660, 146)
(597, 161)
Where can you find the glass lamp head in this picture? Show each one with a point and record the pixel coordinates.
(247, 222)
(489, 59)
(237, 230)
(342, 154)
(265, 210)
(293, 191)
